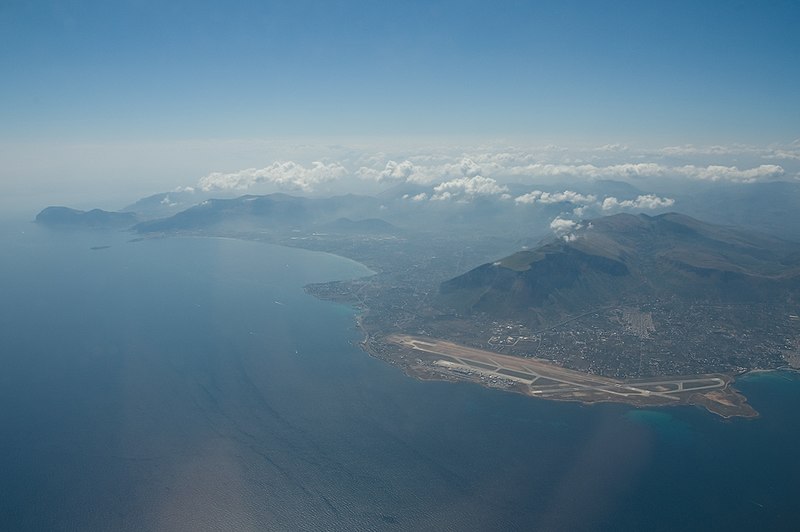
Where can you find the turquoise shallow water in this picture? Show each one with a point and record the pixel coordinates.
(191, 384)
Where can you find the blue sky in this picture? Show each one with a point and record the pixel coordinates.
(124, 98)
(678, 71)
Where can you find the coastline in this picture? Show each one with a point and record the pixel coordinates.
(727, 402)
(723, 399)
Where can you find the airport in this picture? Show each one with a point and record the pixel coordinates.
(544, 379)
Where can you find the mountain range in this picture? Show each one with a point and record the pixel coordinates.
(769, 207)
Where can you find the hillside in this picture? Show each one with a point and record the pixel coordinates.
(271, 211)
(97, 218)
(670, 255)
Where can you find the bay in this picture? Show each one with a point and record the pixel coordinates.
(191, 384)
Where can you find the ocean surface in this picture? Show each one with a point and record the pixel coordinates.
(191, 384)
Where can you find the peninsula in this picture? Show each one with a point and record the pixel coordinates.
(437, 359)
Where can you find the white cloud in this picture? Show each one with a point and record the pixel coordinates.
(786, 154)
(422, 196)
(505, 164)
(469, 168)
(731, 173)
(167, 201)
(395, 171)
(647, 201)
(690, 149)
(467, 187)
(537, 196)
(562, 226)
(775, 151)
(612, 148)
(639, 170)
(651, 201)
(626, 170)
(284, 174)
(392, 171)
(585, 201)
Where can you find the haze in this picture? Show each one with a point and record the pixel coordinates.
(104, 103)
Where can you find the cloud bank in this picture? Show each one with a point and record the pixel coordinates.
(284, 174)
(537, 196)
(648, 201)
(467, 187)
(472, 171)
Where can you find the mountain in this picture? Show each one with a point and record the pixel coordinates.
(165, 204)
(606, 259)
(276, 211)
(64, 216)
(366, 214)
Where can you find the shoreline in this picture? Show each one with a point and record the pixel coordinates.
(435, 361)
(731, 404)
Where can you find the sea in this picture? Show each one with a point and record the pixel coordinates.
(191, 384)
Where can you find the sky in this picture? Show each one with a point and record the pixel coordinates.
(120, 97)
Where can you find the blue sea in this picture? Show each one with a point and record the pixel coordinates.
(191, 384)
